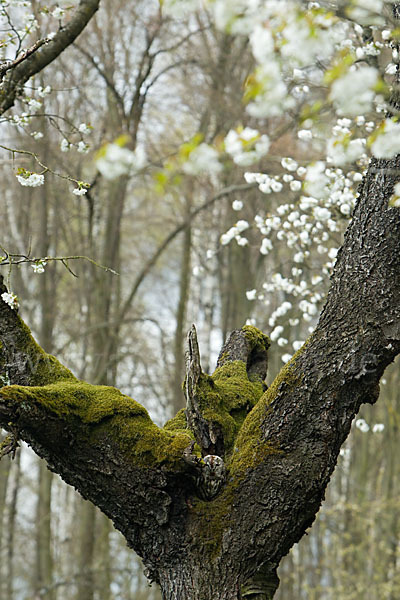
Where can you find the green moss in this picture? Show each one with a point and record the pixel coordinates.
(42, 367)
(215, 517)
(250, 448)
(234, 392)
(227, 397)
(257, 338)
(177, 423)
(97, 413)
(89, 403)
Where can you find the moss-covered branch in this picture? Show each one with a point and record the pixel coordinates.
(217, 405)
(99, 440)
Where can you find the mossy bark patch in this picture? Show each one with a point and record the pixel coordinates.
(104, 412)
(251, 447)
(256, 337)
(226, 397)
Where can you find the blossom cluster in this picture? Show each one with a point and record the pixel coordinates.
(113, 160)
(246, 146)
(10, 299)
(310, 225)
(29, 179)
(363, 426)
(38, 266)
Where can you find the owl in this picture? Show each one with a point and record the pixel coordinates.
(210, 477)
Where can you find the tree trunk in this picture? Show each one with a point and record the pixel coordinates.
(86, 551)
(12, 517)
(178, 398)
(104, 578)
(5, 465)
(43, 577)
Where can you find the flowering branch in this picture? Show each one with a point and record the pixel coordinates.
(39, 58)
(38, 265)
(11, 64)
(34, 179)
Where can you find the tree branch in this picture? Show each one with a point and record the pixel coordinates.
(43, 56)
(216, 406)
(288, 445)
(99, 440)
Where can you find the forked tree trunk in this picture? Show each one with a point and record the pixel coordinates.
(217, 526)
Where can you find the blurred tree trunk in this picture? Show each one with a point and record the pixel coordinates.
(5, 465)
(104, 578)
(43, 574)
(43, 580)
(238, 278)
(85, 547)
(11, 522)
(181, 314)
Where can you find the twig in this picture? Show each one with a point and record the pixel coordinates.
(23, 56)
(18, 259)
(45, 168)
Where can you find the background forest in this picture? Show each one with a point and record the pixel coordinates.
(173, 230)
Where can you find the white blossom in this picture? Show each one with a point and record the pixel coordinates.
(304, 134)
(353, 93)
(225, 239)
(58, 13)
(84, 129)
(28, 179)
(82, 147)
(242, 225)
(246, 146)
(115, 161)
(289, 163)
(298, 257)
(286, 357)
(237, 205)
(79, 191)
(272, 98)
(274, 335)
(378, 428)
(203, 159)
(38, 267)
(42, 92)
(321, 213)
(366, 12)
(297, 345)
(10, 299)
(65, 145)
(391, 69)
(266, 246)
(34, 105)
(342, 150)
(387, 142)
(251, 294)
(242, 241)
(362, 425)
